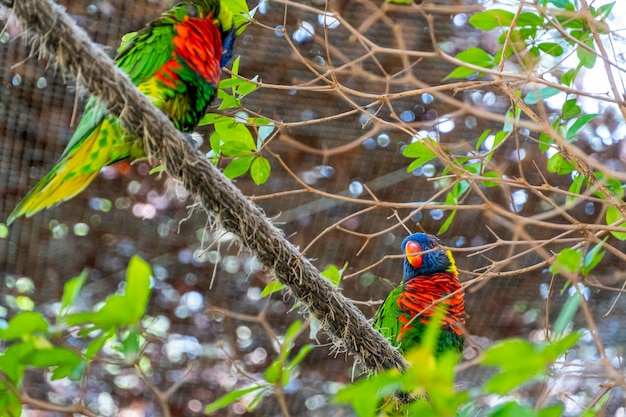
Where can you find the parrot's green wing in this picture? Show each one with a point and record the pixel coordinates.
(386, 320)
(95, 113)
(144, 52)
(140, 55)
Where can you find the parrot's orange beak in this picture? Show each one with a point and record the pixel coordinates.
(413, 254)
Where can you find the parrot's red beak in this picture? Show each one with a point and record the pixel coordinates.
(413, 254)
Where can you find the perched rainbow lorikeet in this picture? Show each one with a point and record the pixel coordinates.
(430, 274)
(176, 61)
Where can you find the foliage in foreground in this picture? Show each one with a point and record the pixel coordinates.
(113, 331)
(33, 341)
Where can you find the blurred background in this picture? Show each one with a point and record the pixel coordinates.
(207, 292)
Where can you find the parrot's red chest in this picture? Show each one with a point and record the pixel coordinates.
(421, 295)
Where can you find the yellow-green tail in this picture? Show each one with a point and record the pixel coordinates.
(76, 169)
(53, 189)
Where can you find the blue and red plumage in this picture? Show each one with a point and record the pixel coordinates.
(430, 279)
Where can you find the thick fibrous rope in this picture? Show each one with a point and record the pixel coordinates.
(55, 32)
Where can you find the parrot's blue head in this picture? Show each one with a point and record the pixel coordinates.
(425, 256)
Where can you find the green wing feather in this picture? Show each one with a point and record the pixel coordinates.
(95, 113)
(146, 51)
(386, 319)
(140, 55)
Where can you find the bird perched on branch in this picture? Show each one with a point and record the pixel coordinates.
(176, 61)
(430, 279)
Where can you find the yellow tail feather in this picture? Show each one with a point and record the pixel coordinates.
(69, 177)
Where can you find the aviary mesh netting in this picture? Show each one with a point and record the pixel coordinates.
(349, 85)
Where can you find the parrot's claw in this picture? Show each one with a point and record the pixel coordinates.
(195, 139)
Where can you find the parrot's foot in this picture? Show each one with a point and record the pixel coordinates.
(195, 139)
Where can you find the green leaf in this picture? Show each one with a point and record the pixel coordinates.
(557, 347)
(241, 13)
(541, 94)
(499, 138)
(239, 166)
(529, 19)
(365, 394)
(229, 398)
(551, 411)
(235, 68)
(210, 118)
(96, 345)
(605, 10)
(476, 56)
(613, 215)
(62, 361)
(616, 187)
(501, 352)
(559, 165)
(446, 225)
(334, 274)
(519, 361)
(421, 151)
(545, 142)
(10, 405)
(460, 188)
(567, 314)
(512, 409)
(574, 188)
(491, 174)
(130, 346)
(138, 286)
(232, 82)
(482, 138)
(302, 353)
(256, 401)
(245, 88)
(491, 19)
(24, 324)
(239, 140)
(568, 77)
(10, 361)
(121, 310)
(568, 260)
(228, 101)
(291, 334)
(274, 372)
(260, 170)
(460, 72)
(272, 287)
(593, 258)
(578, 124)
(71, 290)
(587, 58)
(551, 48)
(570, 109)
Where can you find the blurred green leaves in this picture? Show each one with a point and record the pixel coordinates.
(276, 376)
(33, 342)
(430, 380)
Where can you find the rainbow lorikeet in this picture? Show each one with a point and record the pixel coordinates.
(176, 61)
(430, 275)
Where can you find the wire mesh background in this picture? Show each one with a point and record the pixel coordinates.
(216, 331)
